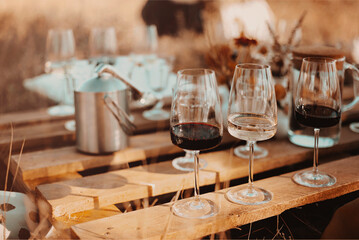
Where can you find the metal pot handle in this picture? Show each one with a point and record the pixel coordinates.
(122, 117)
(103, 68)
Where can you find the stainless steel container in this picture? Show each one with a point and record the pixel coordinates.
(101, 107)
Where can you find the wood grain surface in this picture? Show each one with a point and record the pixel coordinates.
(99, 190)
(159, 223)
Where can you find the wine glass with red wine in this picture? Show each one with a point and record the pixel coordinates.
(318, 105)
(196, 124)
(252, 116)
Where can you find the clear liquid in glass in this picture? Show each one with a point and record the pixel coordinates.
(251, 127)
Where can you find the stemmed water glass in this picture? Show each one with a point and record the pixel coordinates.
(317, 105)
(252, 116)
(196, 124)
(103, 45)
(60, 52)
(157, 73)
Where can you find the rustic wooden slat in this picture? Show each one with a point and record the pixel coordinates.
(33, 183)
(162, 178)
(66, 222)
(52, 162)
(280, 153)
(30, 118)
(19, 119)
(38, 136)
(43, 132)
(159, 223)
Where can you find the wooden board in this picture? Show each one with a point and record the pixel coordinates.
(41, 130)
(159, 223)
(19, 119)
(152, 180)
(38, 136)
(40, 116)
(52, 162)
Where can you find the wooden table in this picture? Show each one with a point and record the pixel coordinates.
(110, 196)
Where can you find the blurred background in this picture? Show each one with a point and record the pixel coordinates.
(187, 29)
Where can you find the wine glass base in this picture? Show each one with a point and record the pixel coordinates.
(311, 179)
(156, 114)
(70, 125)
(354, 127)
(192, 208)
(61, 110)
(248, 196)
(187, 164)
(243, 152)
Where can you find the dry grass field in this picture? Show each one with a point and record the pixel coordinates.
(24, 25)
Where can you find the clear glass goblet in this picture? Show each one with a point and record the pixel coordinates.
(60, 53)
(252, 116)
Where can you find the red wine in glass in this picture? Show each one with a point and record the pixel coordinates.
(317, 104)
(195, 136)
(196, 124)
(317, 116)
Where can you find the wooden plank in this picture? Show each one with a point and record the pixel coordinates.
(19, 119)
(159, 223)
(280, 153)
(40, 116)
(162, 178)
(43, 131)
(66, 222)
(52, 162)
(38, 136)
(33, 183)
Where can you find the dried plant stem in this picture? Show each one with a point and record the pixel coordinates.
(250, 229)
(278, 229)
(173, 201)
(9, 158)
(17, 167)
(296, 27)
(290, 232)
(154, 202)
(7, 175)
(274, 36)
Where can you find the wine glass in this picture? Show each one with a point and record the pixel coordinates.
(103, 45)
(244, 151)
(318, 105)
(252, 116)
(157, 73)
(196, 124)
(60, 52)
(145, 40)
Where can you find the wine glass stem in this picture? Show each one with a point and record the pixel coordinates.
(251, 157)
(159, 104)
(68, 87)
(316, 141)
(196, 175)
(189, 154)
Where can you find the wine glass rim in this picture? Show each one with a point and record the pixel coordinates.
(319, 59)
(60, 29)
(196, 71)
(253, 66)
(299, 58)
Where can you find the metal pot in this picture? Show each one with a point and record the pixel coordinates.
(101, 113)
